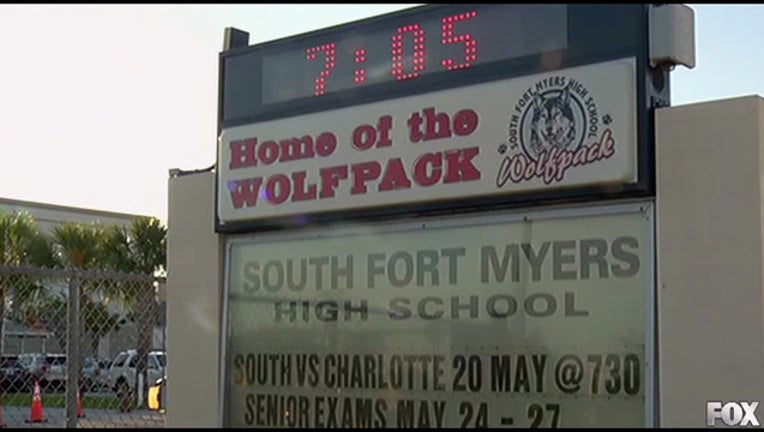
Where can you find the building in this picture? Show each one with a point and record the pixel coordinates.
(20, 338)
(50, 215)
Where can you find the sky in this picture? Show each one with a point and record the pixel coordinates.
(99, 102)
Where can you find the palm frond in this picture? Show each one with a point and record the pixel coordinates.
(41, 251)
(16, 230)
(115, 249)
(150, 244)
(78, 244)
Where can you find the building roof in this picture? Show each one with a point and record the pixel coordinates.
(48, 215)
(81, 210)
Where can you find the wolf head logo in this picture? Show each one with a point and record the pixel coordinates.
(552, 123)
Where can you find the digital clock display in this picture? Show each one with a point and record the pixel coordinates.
(444, 41)
(520, 76)
(419, 50)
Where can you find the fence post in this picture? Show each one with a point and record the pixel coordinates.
(72, 349)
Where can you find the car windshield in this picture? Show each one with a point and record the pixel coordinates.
(161, 359)
(9, 363)
(56, 360)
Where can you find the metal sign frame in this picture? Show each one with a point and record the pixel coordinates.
(596, 33)
(646, 208)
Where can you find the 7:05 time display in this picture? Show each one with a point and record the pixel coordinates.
(441, 41)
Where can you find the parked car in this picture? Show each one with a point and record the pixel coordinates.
(32, 363)
(13, 376)
(123, 370)
(48, 369)
(95, 374)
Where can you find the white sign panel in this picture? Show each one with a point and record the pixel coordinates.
(573, 127)
(482, 322)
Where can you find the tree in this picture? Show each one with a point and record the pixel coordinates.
(98, 323)
(137, 248)
(140, 248)
(51, 310)
(79, 246)
(20, 244)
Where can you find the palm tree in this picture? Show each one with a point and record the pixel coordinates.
(79, 246)
(99, 322)
(140, 248)
(20, 244)
(30, 301)
(76, 245)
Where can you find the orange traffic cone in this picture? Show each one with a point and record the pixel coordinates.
(79, 406)
(36, 416)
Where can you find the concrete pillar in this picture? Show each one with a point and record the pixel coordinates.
(710, 160)
(194, 285)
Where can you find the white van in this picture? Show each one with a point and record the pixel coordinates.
(122, 371)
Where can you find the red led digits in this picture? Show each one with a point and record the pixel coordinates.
(329, 51)
(470, 45)
(359, 75)
(397, 52)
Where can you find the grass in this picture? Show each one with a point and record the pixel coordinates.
(58, 400)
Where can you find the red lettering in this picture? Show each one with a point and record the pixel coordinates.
(550, 170)
(394, 177)
(268, 152)
(300, 194)
(579, 158)
(504, 173)
(242, 153)
(607, 145)
(364, 137)
(553, 165)
(437, 125)
(421, 177)
(247, 152)
(459, 166)
(517, 166)
(245, 191)
(383, 127)
(296, 148)
(362, 173)
(544, 159)
(330, 178)
(565, 161)
(325, 144)
(415, 128)
(591, 153)
(277, 188)
(530, 169)
(465, 122)
(433, 121)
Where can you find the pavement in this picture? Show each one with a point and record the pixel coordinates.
(16, 417)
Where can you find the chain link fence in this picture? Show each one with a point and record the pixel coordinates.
(81, 348)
